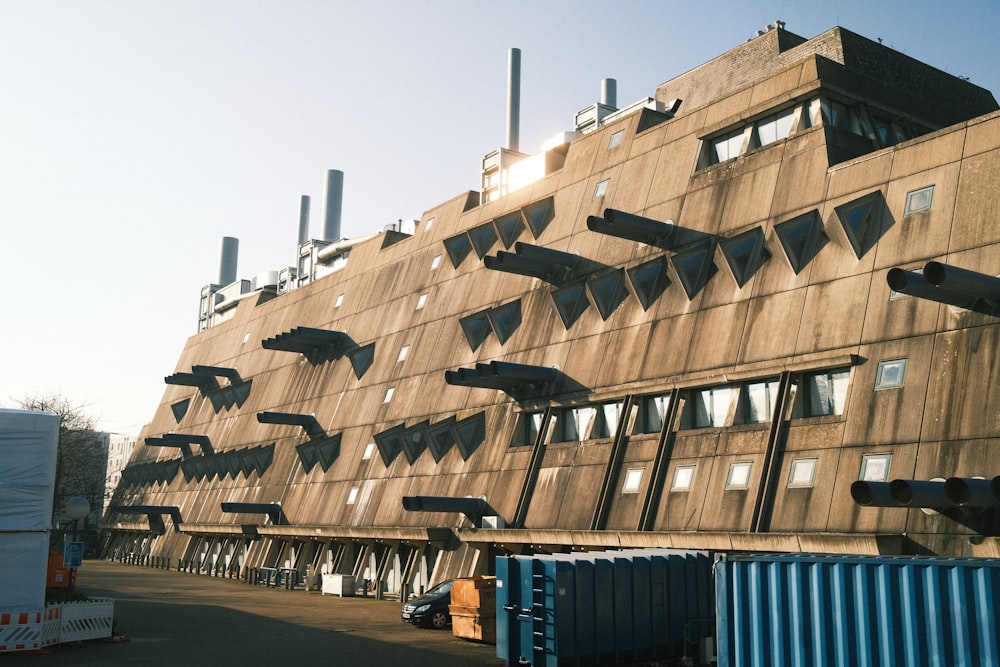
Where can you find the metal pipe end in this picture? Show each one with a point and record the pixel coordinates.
(897, 279)
(934, 272)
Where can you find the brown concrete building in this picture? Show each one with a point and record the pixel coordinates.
(680, 333)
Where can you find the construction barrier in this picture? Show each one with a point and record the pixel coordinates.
(64, 622)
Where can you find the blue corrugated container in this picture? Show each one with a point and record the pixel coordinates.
(775, 610)
(599, 608)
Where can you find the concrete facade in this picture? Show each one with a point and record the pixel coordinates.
(717, 393)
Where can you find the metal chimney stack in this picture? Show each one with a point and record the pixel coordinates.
(609, 93)
(334, 204)
(227, 260)
(513, 99)
(304, 219)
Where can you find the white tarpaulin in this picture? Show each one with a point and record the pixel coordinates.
(28, 444)
(24, 561)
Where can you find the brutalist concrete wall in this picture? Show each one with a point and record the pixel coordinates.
(831, 312)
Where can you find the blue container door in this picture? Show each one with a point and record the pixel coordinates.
(642, 609)
(586, 612)
(514, 613)
(506, 620)
(624, 641)
(604, 588)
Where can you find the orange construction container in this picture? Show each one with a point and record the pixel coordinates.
(479, 628)
(57, 576)
(478, 592)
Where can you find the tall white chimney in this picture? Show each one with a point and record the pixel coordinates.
(304, 219)
(334, 204)
(513, 99)
(609, 93)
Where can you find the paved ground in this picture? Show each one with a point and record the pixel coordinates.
(174, 618)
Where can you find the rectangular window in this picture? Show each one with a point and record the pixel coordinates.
(772, 128)
(528, 425)
(919, 200)
(616, 139)
(652, 412)
(369, 450)
(823, 393)
(573, 424)
(428, 224)
(421, 301)
(436, 262)
(707, 408)
(403, 352)
(875, 467)
(388, 394)
(606, 423)
(801, 473)
(601, 188)
(725, 147)
(890, 374)
(756, 402)
(633, 480)
(739, 475)
(683, 477)
(352, 495)
(339, 302)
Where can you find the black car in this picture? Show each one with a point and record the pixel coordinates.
(431, 608)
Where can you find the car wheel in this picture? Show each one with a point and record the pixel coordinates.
(439, 619)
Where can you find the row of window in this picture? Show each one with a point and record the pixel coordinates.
(853, 118)
(819, 394)
(801, 474)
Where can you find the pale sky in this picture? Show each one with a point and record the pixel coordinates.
(135, 134)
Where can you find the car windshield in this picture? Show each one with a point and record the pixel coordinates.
(440, 589)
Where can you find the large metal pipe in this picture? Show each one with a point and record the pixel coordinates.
(473, 508)
(304, 219)
(542, 254)
(962, 280)
(914, 284)
(872, 494)
(513, 99)
(601, 226)
(228, 257)
(521, 373)
(609, 93)
(668, 234)
(919, 493)
(334, 204)
(969, 492)
(509, 262)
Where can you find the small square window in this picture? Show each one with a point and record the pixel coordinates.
(421, 301)
(339, 302)
(246, 337)
(890, 374)
(683, 477)
(739, 475)
(919, 200)
(428, 224)
(388, 394)
(436, 262)
(801, 473)
(616, 139)
(403, 351)
(369, 450)
(601, 188)
(352, 495)
(633, 480)
(875, 467)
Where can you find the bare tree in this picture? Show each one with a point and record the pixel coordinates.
(81, 463)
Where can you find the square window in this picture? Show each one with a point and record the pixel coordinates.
(919, 200)
(421, 301)
(246, 337)
(726, 147)
(739, 475)
(601, 188)
(875, 467)
(708, 408)
(616, 139)
(801, 473)
(339, 302)
(369, 450)
(633, 480)
(352, 495)
(428, 224)
(388, 394)
(756, 402)
(683, 477)
(403, 351)
(436, 262)
(890, 374)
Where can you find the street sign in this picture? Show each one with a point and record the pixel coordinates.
(73, 554)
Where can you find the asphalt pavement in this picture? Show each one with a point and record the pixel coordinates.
(180, 619)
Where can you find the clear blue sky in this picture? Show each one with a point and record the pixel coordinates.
(135, 134)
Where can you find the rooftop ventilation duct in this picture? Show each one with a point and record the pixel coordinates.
(334, 205)
(513, 99)
(228, 257)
